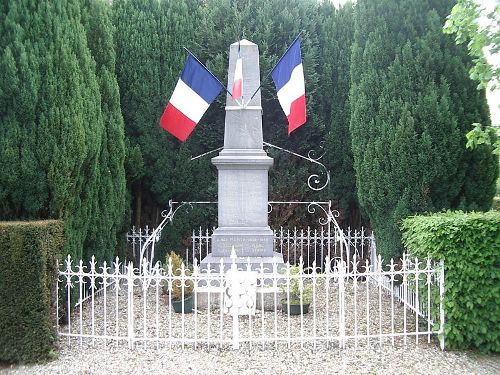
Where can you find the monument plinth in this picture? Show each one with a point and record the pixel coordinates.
(243, 168)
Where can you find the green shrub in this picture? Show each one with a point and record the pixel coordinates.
(469, 243)
(177, 289)
(27, 289)
(295, 292)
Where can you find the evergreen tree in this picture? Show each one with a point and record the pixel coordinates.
(272, 25)
(110, 215)
(149, 61)
(410, 98)
(51, 130)
(337, 34)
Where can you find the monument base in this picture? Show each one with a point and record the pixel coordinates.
(253, 242)
(243, 263)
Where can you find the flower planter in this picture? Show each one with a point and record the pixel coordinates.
(294, 307)
(188, 305)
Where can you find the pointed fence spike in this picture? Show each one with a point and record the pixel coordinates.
(221, 266)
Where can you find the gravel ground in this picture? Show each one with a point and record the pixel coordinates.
(388, 360)
(375, 357)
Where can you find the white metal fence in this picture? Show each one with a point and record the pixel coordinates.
(350, 305)
(136, 239)
(310, 244)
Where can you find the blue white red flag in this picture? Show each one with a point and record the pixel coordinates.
(238, 78)
(288, 76)
(196, 89)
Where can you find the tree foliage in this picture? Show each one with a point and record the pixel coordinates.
(409, 104)
(337, 33)
(149, 60)
(463, 22)
(112, 200)
(58, 145)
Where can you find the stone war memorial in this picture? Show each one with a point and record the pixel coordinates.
(243, 168)
(305, 191)
(245, 282)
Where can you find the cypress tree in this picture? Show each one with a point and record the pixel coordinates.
(409, 100)
(51, 121)
(149, 61)
(110, 209)
(270, 24)
(337, 34)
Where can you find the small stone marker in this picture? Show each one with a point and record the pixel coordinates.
(239, 295)
(240, 290)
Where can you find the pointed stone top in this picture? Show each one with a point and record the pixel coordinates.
(244, 42)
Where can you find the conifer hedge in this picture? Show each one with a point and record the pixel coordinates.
(27, 286)
(62, 144)
(469, 244)
(411, 103)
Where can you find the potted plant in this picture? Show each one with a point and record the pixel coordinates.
(179, 298)
(291, 301)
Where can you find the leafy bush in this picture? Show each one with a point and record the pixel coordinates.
(27, 289)
(295, 287)
(469, 243)
(177, 283)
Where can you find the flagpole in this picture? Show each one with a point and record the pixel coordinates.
(203, 65)
(275, 65)
(242, 87)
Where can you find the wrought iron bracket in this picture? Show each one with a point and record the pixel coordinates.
(313, 180)
(206, 153)
(168, 216)
(325, 206)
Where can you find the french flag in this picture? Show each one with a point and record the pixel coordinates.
(288, 76)
(238, 78)
(196, 89)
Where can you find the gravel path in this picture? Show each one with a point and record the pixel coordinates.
(376, 357)
(388, 360)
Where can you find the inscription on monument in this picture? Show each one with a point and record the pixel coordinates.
(243, 204)
(244, 245)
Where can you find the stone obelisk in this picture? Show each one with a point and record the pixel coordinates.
(243, 168)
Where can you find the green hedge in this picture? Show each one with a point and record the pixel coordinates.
(469, 243)
(27, 289)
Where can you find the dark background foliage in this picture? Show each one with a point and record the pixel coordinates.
(84, 82)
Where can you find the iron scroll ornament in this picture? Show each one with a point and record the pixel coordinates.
(168, 217)
(325, 207)
(313, 181)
